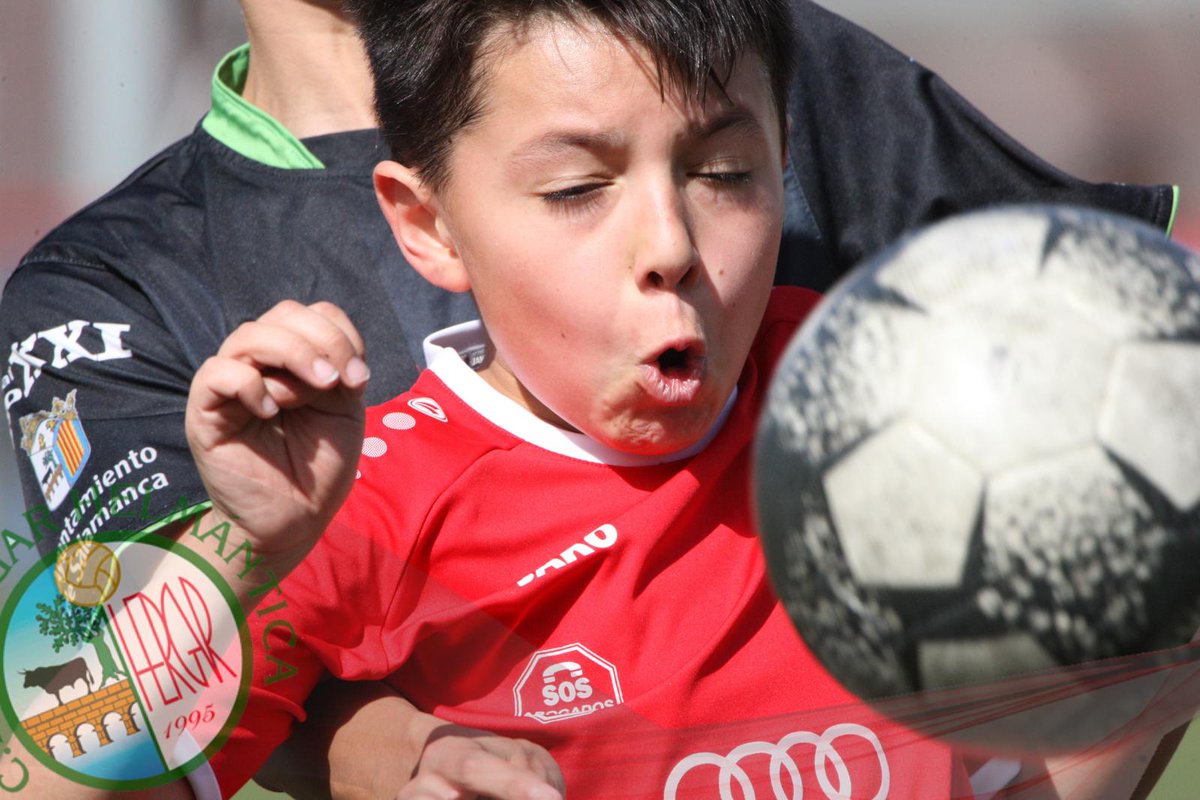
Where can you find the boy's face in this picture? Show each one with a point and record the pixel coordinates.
(620, 241)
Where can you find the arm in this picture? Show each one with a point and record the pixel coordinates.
(77, 334)
(275, 423)
(276, 464)
(25, 777)
(1144, 709)
(131, 378)
(122, 376)
(78, 341)
(373, 743)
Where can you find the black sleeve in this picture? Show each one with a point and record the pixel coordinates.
(880, 145)
(95, 389)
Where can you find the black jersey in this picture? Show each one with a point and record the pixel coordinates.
(106, 320)
(880, 145)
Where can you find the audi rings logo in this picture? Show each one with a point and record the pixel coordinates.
(830, 768)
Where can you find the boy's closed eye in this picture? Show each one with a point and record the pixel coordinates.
(585, 192)
(575, 193)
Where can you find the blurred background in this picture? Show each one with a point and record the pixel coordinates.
(1105, 89)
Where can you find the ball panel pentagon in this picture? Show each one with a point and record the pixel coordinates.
(1126, 276)
(904, 508)
(843, 622)
(1151, 417)
(843, 376)
(987, 254)
(1008, 377)
(957, 662)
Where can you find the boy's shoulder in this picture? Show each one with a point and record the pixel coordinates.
(429, 429)
(417, 448)
(789, 305)
(787, 309)
(420, 443)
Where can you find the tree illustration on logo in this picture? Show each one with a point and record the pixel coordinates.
(71, 625)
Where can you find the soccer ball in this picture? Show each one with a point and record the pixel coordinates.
(979, 465)
(87, 573)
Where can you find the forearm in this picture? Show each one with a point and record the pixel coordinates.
(1158, 763)
(252, 573)
(361, 740)
(1108, 773)
(25, 777)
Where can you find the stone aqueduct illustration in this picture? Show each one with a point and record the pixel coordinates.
(99, 709)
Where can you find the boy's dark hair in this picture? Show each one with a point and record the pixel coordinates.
(425, 55)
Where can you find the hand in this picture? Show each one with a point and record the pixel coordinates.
(461, 764)
(275, 424)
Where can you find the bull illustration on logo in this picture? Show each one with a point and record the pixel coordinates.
(53, 679)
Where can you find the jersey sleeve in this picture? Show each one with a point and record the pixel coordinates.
(880, 145)
(285, 672)
(328, 618)
(95, 387)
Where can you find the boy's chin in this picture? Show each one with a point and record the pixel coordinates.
(662, 434)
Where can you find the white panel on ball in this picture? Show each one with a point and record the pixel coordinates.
(1011, 377)
(982, 259)
(1152, 416)
(905, 507)
(954, 662)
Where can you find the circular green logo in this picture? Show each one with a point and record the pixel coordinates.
(124, 663)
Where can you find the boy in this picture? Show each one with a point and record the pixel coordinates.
(847, 47)
(556, 545)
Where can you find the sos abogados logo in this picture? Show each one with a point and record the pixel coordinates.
(124, 664)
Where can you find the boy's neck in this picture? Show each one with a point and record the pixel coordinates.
(456, 355)
(308, 69)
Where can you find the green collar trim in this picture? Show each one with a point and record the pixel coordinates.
(246, 129)
(1174, 210)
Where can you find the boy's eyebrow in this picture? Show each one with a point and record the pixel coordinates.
(737, 118)
(553, 143)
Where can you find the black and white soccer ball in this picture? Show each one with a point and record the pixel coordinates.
(980, 459)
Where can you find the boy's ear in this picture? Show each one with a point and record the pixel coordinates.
(416, 222)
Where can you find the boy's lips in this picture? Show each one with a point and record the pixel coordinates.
(673, 376)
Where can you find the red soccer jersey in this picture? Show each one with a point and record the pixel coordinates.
(507, 575)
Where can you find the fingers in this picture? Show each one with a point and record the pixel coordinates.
(287, 390)
(431, 787)
(489, 766)
(221, 380)
(338, 317)
(316, 344)
(289, 357)
(436, 787)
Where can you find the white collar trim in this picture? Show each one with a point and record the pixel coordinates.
(445, 352)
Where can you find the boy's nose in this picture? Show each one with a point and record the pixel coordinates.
(667, 256)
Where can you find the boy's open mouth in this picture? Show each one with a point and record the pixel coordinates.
(674, 376)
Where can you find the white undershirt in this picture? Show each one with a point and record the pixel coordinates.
(448, 353)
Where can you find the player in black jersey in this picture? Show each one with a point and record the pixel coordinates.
(122, 302)
(107, 318)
